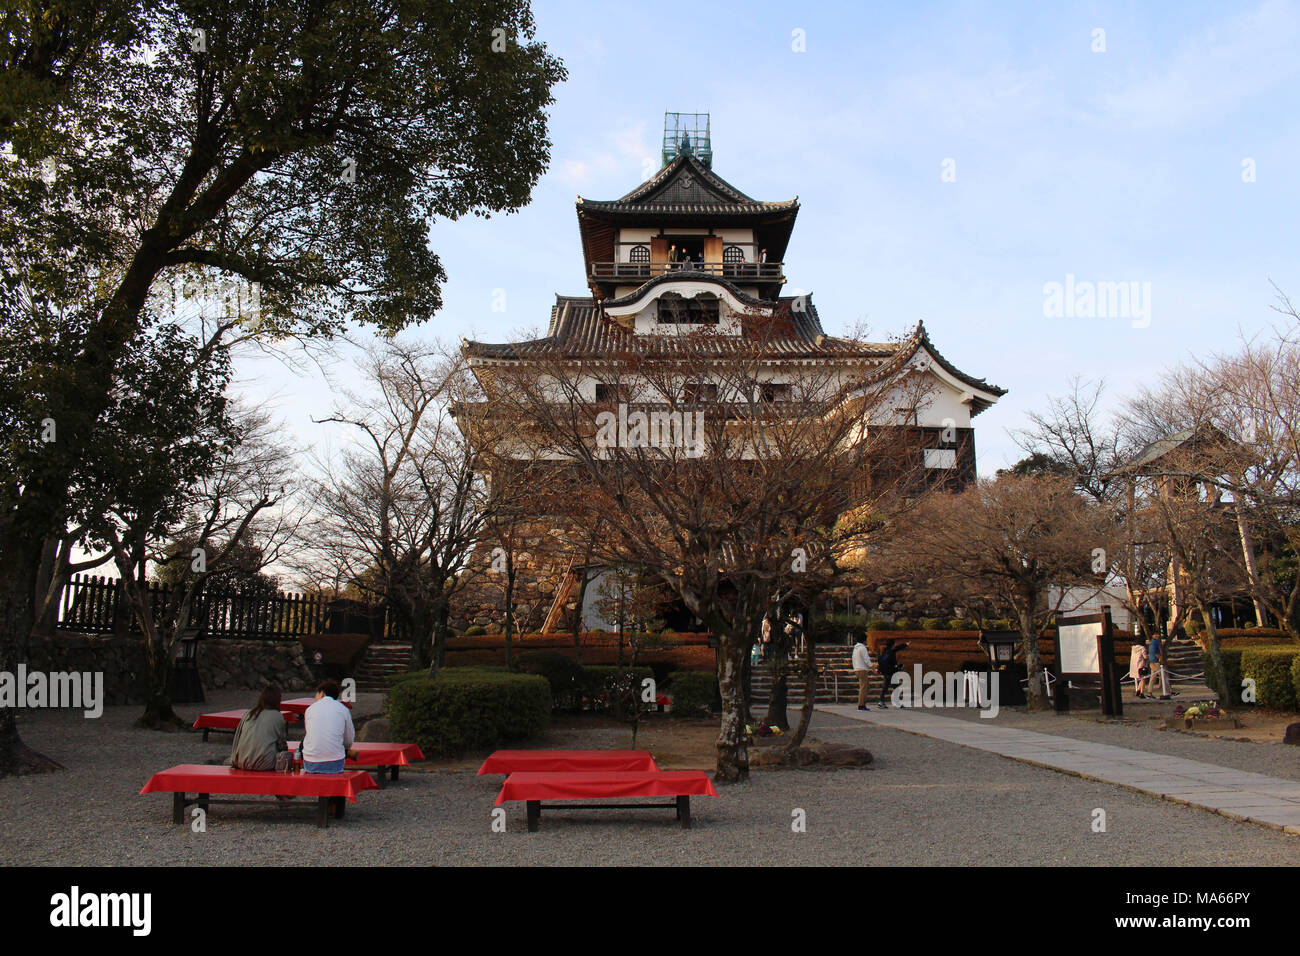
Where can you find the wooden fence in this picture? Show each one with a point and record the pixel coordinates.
(98, 605)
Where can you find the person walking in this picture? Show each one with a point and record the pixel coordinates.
(1155, 660)
(862, 668)
(1139, 668)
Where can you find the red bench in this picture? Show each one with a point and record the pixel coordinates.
(227, 720)
(299, 705)
(681, 785)
(204, 780)
(566, 761)
(383, 756)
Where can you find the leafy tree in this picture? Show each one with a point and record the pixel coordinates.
(297, 148)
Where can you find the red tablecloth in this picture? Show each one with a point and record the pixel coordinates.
(566, 761)
(376, 754)
(299, 705)
(577, 786)
(204, 778)
(229, 719)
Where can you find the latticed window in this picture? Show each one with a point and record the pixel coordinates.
(639, 254)
(700, 310)
(733, 254)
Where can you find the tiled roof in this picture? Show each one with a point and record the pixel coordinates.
(579, 329)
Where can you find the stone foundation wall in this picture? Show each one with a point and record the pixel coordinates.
(222, 663)
(541, 558)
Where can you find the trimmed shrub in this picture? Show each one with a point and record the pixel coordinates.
(563, 674)
(933, 624)
(957, 624)
(1270, 668)
(878, 625)
(904, 624)
(467, 708)
(475, 630)
(1295, 676)
(692, 693)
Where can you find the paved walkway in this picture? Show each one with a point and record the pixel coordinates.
(1238, 794)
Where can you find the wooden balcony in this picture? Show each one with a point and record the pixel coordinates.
(743, 272)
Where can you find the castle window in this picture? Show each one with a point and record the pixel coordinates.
(639, 254)
(695, 392)
(774, 391)
(700, 310)
(606, 392)
(733, 254)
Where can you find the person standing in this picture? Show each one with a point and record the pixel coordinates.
(862, 668)
(888, 667)
(328, 732)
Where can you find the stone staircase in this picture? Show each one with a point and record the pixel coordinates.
(1184, 658)
(379, 663)
(836, 682)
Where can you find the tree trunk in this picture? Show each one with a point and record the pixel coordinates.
(158, 713)
(1209, 642)
(510, 606)
(809, 671)
(1252, 571)
(422, 624)
(19, 560)
(733, 751)
(1035, 690)
(777, 703)
(577, 617)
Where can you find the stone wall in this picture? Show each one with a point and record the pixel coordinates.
(541, 559)
(222, 663)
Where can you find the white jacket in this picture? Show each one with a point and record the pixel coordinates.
(328, 731)
(861, 659)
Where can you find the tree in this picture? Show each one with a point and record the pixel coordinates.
(1009, 541)
(744, 481)
(402, 509)
(294, 149)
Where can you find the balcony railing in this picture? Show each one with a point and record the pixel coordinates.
(736, 271)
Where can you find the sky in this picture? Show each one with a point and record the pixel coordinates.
(952, 161)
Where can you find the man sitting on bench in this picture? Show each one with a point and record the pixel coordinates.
(329, 734)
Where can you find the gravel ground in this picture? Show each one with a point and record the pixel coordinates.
(923, 802)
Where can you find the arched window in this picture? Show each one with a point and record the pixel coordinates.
(639, 254)
(733, 254)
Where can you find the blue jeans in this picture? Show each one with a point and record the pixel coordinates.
(329, 766)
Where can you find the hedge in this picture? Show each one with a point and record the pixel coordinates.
(1270, 668)
(1295, 676)
(564, 675)
(692, 693)
(467, 709)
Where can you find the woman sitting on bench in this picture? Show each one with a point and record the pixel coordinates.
(261, 735)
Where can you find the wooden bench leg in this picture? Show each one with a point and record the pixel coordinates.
(684, 812)
(340, 807)
(381, 777)
(178, 807)
(205, 735)
(392, 772)
(202, 801)
(323, 812)
(534, 814)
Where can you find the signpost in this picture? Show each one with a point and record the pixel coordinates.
(1085, 654)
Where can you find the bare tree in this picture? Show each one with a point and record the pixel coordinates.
(1007, 541)
(400, 510)
(710, 472)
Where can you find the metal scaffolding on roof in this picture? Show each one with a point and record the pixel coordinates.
(687, 133)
